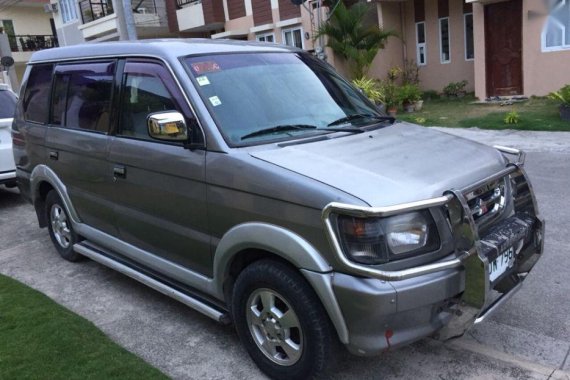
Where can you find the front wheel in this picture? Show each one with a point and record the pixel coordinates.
(281, 321)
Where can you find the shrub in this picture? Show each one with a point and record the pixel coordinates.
(512, 117)
(430, 95)
(455, 89)
(409, 93)
(371, 89)
(562, 95)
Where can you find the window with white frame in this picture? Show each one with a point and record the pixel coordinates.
(469, 41)
(68, 10)
(444, 48)
(556, 32)
(293, 37)
(267, 37)
(421, 56)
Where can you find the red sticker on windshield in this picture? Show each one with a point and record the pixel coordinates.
(205, 67)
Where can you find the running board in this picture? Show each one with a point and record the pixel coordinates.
(187, 300)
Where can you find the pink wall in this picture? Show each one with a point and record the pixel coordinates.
(436, 75)
(543, 72)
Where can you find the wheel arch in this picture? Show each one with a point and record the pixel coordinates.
(249, 242)
(42, 181)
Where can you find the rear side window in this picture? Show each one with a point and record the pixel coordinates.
(82, 96)
(35, 102)
(8, 102)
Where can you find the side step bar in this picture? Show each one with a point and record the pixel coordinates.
(187, 300)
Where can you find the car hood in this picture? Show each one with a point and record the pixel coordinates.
(396, 164)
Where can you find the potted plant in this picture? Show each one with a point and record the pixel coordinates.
(372, 90)
(391, 97)
(409, 95)
(563, 96)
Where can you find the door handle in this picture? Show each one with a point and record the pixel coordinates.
(54, 155)
(119, 171)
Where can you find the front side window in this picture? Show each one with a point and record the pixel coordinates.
(266, 37)
(295, 94)
(444, 49)
(82, 96)
(147, 88)
(36, 96)
(556, 32)
(421, 56)
(469, 42)
(293, 37)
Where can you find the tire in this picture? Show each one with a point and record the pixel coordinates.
(298, 352)
(61, 232)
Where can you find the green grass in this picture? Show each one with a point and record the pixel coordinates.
(40, 339)
(536, 114)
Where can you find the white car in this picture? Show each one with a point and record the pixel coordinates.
(7, 166)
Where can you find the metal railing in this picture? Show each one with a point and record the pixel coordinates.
(92, 10)
(182, 3)
(32, 42)
(144, 6)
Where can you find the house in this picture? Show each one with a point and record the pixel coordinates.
(26, 27)
(78, 21)
(277, 21)
(502, 48)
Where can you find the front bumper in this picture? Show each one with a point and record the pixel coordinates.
(8, 178)
(386, 309)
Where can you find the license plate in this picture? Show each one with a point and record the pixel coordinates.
(500, 265)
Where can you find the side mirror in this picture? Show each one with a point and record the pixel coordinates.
(167, 126)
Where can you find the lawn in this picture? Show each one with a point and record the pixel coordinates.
(40, 339)
(536, 114)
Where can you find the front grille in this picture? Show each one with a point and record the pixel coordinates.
(487, 202)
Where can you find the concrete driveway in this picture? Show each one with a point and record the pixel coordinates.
(528, 339)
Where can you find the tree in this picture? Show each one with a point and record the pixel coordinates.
(351, 38)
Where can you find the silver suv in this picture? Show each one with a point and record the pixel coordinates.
(254, 184)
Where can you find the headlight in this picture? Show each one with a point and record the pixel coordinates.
(380, 240)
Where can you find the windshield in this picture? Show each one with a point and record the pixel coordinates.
(285, 95)
(7, 104)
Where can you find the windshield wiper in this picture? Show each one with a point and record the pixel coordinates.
(356, 116)
(297, 127)
(279, 128)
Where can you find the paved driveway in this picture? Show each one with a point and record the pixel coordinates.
(529, 339)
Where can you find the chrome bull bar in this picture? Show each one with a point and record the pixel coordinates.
(477, 301)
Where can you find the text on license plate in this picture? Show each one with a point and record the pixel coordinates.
(504, 261)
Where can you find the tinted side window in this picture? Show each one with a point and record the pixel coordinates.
(82, 96)
(36, 96)
(147, 88)
(8, 102)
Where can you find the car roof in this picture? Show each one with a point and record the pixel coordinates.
(165, 48)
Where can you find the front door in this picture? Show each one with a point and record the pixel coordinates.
(503, 42)
(160, 190)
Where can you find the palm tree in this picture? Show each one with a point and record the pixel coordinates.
(351, 38)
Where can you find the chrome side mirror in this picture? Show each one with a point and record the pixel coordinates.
(167, 126)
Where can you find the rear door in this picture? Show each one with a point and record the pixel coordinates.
(160, 193)
(78, 139)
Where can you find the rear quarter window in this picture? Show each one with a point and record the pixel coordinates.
(35, 102)
(7, 104)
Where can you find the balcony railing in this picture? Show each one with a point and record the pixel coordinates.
(182, 3)
(32, 42)
(92, 10)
